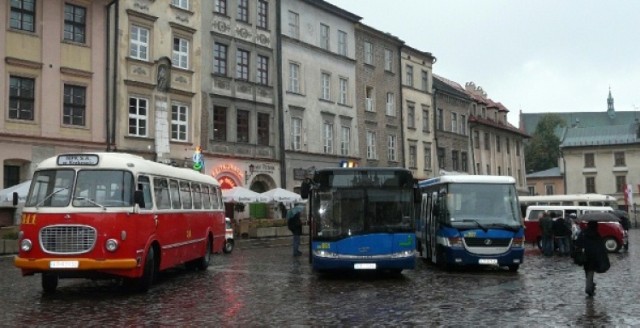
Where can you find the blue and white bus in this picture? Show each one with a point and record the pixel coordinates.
(361, 219)
(470, 220)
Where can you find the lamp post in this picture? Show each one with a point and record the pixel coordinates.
(248, 174)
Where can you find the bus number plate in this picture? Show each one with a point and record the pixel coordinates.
(63, 264)
(364, 266)
(488, 261)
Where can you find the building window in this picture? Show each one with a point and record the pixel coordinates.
(507, 145)
(499, 170)
(294, 25)
(517, 148)
(409, 77)
(425, 120)
(342, 43)
(327, 137)
(262, 75)
(139, 43)
(391, 104)
(296, 133)
(454, 122)
(369, 106)
(425, 81)
(23, 14)
(263, 14)
(371, 145)
(427, 157)
(463, 162)
(532, 190)
(74, 105)
(219, 123)
(589, 160)
(441, 158)
(477, 169)
(11, 175)
(487, 146)
(498, 144)
(294, 74)
(263, 129)
(242, 64)
(220, 7)
(344, 88)
(179, 119)
(138, 108)
(454, 160)
(488, 169)
(220, 58)
(463, 125)
(324, 36)
(368, 53)
(440, 119)
(21, 98)
(476, 139)
(180, 57)
(413, 156)
(75, 20)
(345, 141)
(243, 11)
(242, 126)
(184, 4)
(619, 159)
(392, 143)
(411, 116)
(621, 183)
(549, 189)
(590, 184)
(326, 86)
(388, 60)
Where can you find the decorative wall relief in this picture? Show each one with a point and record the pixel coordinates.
(243, 32)
(263, 39)
(140, 71)
(221, 26)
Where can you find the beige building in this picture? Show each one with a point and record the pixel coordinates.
(154, 100)
(53, 82)
(417, 112)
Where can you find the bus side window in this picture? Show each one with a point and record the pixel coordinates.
(206, 197)
(216, 200)
(161, 188)
(185, 194)
(145, 185)
(174, 191)
(197, 196)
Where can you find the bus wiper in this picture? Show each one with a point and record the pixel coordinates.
(506, 226)
(50, 195)
(477, 223)
(89, 200)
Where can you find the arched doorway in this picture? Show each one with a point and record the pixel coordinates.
(262, 183)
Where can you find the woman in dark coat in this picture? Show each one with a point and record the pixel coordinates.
(596, 257)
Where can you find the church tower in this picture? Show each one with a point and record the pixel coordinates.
(610, 110)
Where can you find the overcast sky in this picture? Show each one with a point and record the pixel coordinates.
(535, 56)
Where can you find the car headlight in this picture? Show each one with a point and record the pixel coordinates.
(26, 245)
(111, 245)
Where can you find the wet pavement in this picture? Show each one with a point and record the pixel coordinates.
(258, 285)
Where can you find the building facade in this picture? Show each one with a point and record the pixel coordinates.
(53, 81)
(417, 111)
(378, 98)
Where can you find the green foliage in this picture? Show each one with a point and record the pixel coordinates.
(543, 149)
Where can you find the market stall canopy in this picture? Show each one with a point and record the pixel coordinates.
(279, 195)
(239, 195)
(6, 195)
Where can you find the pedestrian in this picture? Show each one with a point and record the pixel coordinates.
(596, 259)
(546, 228)
(562, 235)
(295, 226)
(283, 210)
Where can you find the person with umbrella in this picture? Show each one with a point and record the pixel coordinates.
(595, 257)
(295, 226)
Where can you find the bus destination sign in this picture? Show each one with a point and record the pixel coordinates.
(78, 159)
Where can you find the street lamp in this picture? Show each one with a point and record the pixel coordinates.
(247, 175)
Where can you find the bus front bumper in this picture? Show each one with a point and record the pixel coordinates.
(83, 264)
(365, 263)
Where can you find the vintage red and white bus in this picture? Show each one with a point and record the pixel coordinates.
(116, 215)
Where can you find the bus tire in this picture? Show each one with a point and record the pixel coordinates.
(204, 262)
(49, 282)
(144, 282)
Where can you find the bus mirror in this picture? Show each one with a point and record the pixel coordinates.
(138, 198)
(15, 198)
(304, 189)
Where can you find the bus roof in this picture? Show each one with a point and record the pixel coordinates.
(123, 161)
(585, 197)
(463, 178)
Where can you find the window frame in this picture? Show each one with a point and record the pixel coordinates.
(327, 137)
(137, 44)
(368, 53)
(392, 143)
(220, 7)
(325, 81)
(22, 13)
(342, 43)
(78, 26)
(262, 18)
(262, 69)
(243, 11)
(20, 99)
(73, 110)
(345, 140)
(243, 118)
(263, 128)
(371, 145)
(242, 64)
(220, 123)
(180, 56)
(179, 122)
(296, 133)
(294, 77)
(220, 58)
(144, 118)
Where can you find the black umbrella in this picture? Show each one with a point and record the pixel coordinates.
(599, 217)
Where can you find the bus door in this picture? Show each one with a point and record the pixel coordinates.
(430, 227)
(144, 219)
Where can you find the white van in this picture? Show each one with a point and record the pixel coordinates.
(534, 212)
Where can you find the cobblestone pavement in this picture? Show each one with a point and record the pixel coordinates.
(261, 284)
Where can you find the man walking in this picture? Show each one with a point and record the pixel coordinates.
(295, 226)
(546, 227)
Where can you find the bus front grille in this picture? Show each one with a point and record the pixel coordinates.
(67, 239)
(487, 242)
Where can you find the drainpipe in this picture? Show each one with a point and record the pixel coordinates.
(114, 88)
(404, 142)
(281, 155)
(106, 76)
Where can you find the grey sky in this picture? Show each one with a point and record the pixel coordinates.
(534, 56)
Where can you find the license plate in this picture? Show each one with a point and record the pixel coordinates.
(364, 266)
(488, 261)
(63, 264)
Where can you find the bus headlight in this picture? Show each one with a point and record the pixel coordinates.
(26, 245)
(454, 242)
(518, 242)
(111, 245)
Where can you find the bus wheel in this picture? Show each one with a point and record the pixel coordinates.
(143, 283)
(514, 267)
(49, 282)
(203, 262)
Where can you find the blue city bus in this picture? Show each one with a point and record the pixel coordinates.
(361, 219)
(470, 220)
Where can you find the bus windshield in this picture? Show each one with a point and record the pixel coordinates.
(351, 211)
(93, 188)
(482, 205)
